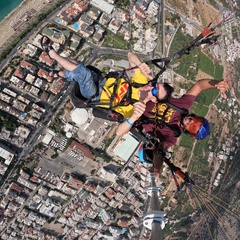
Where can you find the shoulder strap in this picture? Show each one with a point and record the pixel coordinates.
(175, 128)
(182, 111)
(138, 85)
(127, 98)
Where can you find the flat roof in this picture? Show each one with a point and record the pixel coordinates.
(103, 5)
(6, 155)
(127, 147)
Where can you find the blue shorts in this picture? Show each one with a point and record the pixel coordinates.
(87, 80)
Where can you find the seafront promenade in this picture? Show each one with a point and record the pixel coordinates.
(20, 19)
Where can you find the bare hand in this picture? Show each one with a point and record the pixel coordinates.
(155, 171)
(145, 94)
(222, 86)
(145, 70)
(138, 109)
(157, 166)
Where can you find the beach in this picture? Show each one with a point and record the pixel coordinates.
(15, 23)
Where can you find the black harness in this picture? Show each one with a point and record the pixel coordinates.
(109, 112)
(127, 98)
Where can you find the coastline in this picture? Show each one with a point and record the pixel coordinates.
(12, 12)
(5, 27)
(14, 17)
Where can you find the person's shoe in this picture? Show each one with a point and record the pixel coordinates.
(46, 44)
(56, 74)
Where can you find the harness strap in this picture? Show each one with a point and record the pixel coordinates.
(115, 89)
(126, 100)
(183, 111)
(174, 127)
(143, 137)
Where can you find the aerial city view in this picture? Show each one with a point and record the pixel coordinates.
(119, 119)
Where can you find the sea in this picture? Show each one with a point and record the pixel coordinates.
(7, 6)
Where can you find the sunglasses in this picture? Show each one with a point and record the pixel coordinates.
(194, 126)
(154, 90)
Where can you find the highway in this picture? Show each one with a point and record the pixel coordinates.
(185, 19)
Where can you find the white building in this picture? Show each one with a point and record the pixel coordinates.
(102, 5)
(6, 155)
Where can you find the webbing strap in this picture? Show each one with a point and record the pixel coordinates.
(126, 99)
(115, 89)
(183, 111)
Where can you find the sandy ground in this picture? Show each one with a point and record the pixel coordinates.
(199, 11)
(206, 13)
(17, 19)
(202, 75)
